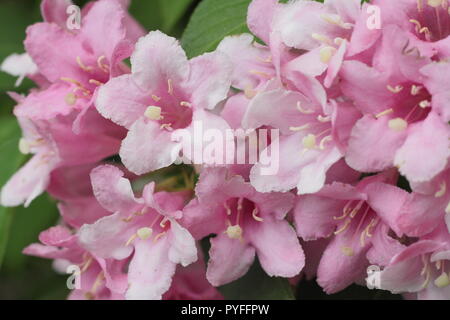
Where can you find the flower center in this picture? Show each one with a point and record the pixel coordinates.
(432, 22)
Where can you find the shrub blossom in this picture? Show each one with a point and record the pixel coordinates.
(364, 145)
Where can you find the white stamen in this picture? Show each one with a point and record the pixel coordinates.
(321, 38)
(395, 89)
(415, 89)
(383, 113)
(424, 104)
(303, 110)
(300, 128)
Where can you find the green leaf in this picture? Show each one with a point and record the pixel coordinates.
(25, 228)
(10, 159)
(257, 285)
(211, 22)
(172, 11)
(161, 15)
(5, 225)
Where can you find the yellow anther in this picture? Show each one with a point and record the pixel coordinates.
(309, 142)
(234, 232)
(442, 281)
(155, 98)
(153, 113)
(70, 99)
(24, 146)
(447, 209)
(347, 251)
(326, 53)
(144, 233)
(397, 124)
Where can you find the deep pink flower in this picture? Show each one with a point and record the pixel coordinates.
(245, 223)
(358, 219)
(99, 278)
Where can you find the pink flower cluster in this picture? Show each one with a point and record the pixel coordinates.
(363, 169)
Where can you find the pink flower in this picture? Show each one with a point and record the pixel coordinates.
(425, 22)
(311, 138)
(99, 278)
(164, 94)
(421, 268)
(59, 126)
(399, 122)
(51, 140)
(190, 283)
(146, 227)
(427, 206)
(86, 57)
(72, 188)
(245, 223)
(358, 219)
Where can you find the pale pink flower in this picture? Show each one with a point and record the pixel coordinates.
(421, 268)
(146, 227)
(165, 93)
(399, 126)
